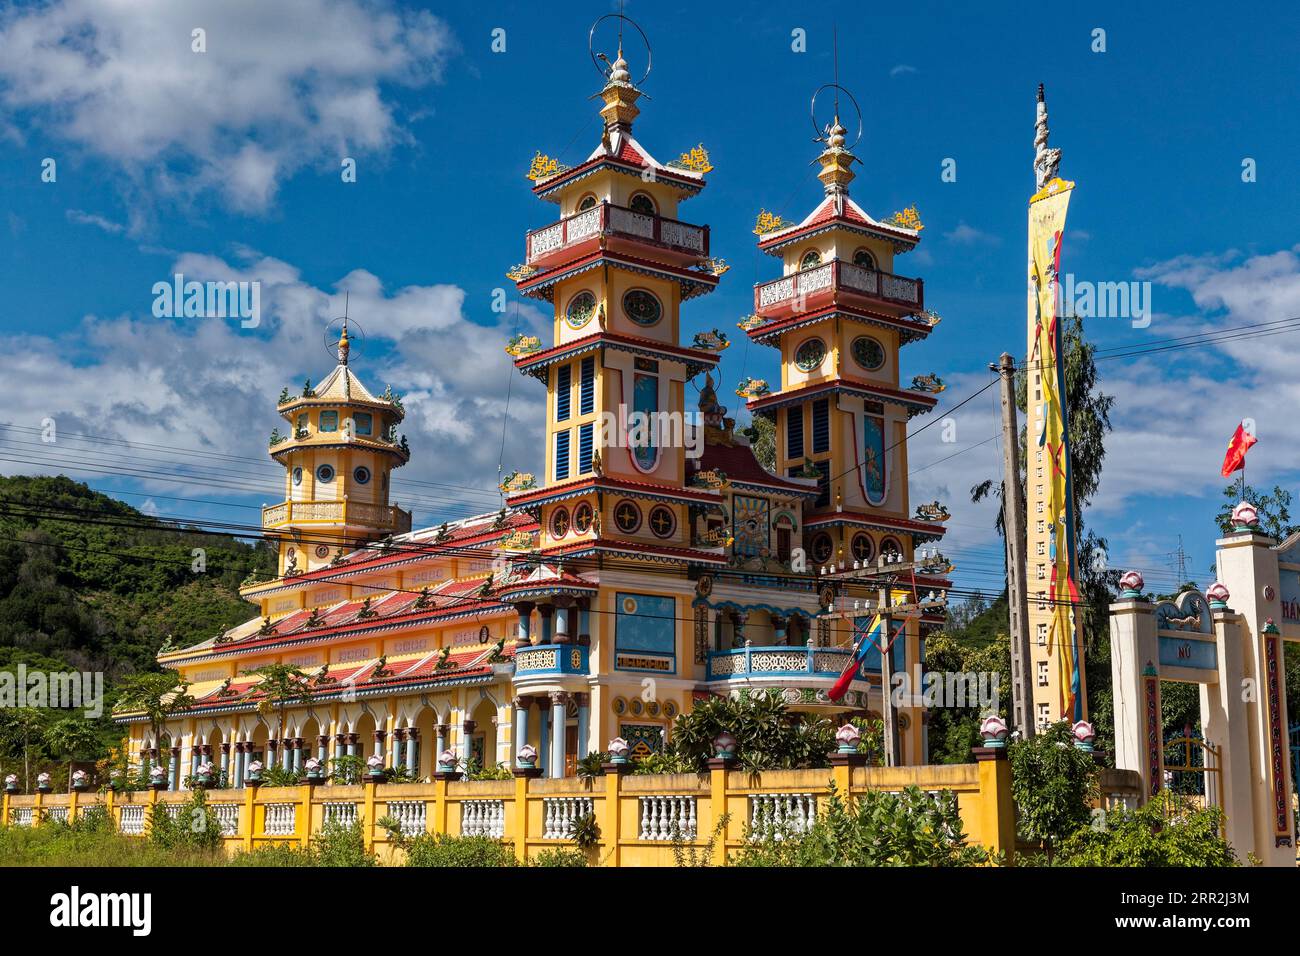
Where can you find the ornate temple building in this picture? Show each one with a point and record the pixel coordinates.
(646, 568)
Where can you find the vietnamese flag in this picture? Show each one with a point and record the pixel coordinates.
(1235, 459)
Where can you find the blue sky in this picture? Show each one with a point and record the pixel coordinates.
(226, 164)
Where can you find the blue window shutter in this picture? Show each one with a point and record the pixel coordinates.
(821, 424)
(563, 379)
(584, 448)
(794, 432)
(561, 455)
(587, 394)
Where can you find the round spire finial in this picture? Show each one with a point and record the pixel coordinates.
(834, 129)
(350, 335)
(616, 72)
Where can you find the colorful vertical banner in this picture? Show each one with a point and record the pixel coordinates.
(1047, 210)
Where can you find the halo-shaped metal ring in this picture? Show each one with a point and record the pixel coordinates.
(819, 132)
(591, 37)
(356, 343)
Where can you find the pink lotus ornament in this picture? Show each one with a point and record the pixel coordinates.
(527, 757)
(994, 731)
(255, 767)
(1084, 735)
(848, 737)
(447, 761)
(11, 782)
(618, 750)
(1218, 595)
(1245, 517)
(374, 761)
(1131, 584)
(312, 764)
(80, 779)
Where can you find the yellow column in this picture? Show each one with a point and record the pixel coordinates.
(718, 770)
(37, 814)
(72, 806)
(368, 822)
(438, 824)
(611, 826)
(390, 724)
(247, 821)
(4, 808)
(520, 836)
(109, 804)
(302, 823)
(997, 811)
(152, 805)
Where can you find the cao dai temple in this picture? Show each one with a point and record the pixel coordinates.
(625, 583)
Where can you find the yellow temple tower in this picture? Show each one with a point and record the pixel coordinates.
(340, 451)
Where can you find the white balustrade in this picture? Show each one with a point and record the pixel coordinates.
(174, 809)
(281, 819)
(559, 814)
(667, 818)
(781, 813)
(132, 822)
(410, 814)
(227, 815)
(483, 818)
(681, 235)
(57, 814)
(584, 225)
(21, 816)
(342, 813)
(631, 223)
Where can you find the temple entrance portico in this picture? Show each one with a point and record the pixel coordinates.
(1234, 654)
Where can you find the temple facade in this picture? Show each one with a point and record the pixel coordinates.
(654, 563)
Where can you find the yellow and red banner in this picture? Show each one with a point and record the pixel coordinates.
(1047, 210)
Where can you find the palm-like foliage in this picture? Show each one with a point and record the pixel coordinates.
(157, 695)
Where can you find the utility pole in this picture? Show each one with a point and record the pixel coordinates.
(892, 756)
(1013, 523)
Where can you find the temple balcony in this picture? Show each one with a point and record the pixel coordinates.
(837, 283)
(621, 228)
(340, 511)
(803, 672)
(542, 666)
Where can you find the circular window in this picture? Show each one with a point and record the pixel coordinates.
(361, 476)
(322, 551)
(297, 476)
(810, 259)
(587, 202)
(582, 518)
(662, 522)
(643, 204)
(868, 353)
(325, 474)
(891, 547)
(642, 307)
(620, 705)
(560, 523)
(864, 258)
(810, 355)
(670, 709)
(581, 308)
(821, 548)
(863, 547)
(627, 517)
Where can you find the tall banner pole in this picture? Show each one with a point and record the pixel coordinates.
(1047, 212)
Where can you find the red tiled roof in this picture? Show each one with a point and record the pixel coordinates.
(738, 463)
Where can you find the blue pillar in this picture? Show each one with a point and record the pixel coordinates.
(525, 621)
(443, 730)
(544, 740)
(269, 758)
(399, 748)
(584, 722)
(297, 754)
(466, 742)
(225, 761)
(352, 745)
(413, 752)
(176, 768)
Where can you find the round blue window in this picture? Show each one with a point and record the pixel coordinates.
(297, 476)
(325, 474)
(361, 476)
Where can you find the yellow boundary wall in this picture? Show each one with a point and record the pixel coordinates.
(635, 813)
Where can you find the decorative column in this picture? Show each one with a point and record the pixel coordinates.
(413, 751)
(272, 745)
(225, 761)
(584, 620)
(546, 611)
(558, 701)
(466, 732)
(584, 722)
(544, 739)
(524, 636)
(562, 621)
(175, 767)
(379, 743)
(196, 756)
(399, 747)
(322, 746)
(442, 731)
(519, 735)
(353, 741)
(1139, 740)
(340, 743)
(298, 746)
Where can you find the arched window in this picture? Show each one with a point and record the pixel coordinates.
(864, 258)
(588, 201)
(644, 204)
(810, 259)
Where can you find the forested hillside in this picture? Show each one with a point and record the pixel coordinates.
(88, 583)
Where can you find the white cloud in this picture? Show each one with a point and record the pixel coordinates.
(901, 69)
(211, 384)
(83, 218)
(964, 234)
(281, 86)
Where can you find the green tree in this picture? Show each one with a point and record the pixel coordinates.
(769, 736)
(1053, 784)
(1273, 508)
(1159, 833)
(22, 730)
(157, 695)
(281, 685)
(762, 439)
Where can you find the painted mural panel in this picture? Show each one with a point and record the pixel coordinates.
(751, 523)
(645, 630)
(873, 459)
(645, 399)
